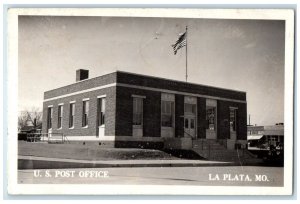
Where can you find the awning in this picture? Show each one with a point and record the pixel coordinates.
(254, 137)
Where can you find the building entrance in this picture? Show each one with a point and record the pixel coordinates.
(190, 126)
(190, 110)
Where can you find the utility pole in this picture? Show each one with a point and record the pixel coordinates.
(249, 120)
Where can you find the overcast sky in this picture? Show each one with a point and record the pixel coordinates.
(246, 55)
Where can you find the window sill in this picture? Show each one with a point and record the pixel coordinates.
(85, 126)
(59, 128)
(71, 127)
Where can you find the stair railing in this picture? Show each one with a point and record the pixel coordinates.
(191, 136)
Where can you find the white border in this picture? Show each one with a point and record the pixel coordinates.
(14, 188)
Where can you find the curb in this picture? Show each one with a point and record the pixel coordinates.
(25, 163)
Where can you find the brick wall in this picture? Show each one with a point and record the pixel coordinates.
(201, 117)
(119, 106)
(154, 82)
(242, 121)
(223, 128)
(82, 85)
(179, 113)
(223, 120)
(92, 118)
(124, 110)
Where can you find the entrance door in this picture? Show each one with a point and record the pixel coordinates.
(189, 126)
(190, 115)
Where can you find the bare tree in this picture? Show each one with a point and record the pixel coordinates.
(30, 117)
(35, 116)
(22, 120)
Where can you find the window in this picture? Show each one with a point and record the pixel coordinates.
(101, 111)
(190, 108)
(192, 124)
(60, 115)
(85, 113)
(72, 115)
(186, 123)
(167, 113)
(211, 118)
(137, 111)
(50, 115)
(232, 118)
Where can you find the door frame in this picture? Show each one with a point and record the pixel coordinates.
(190, 117)
(192, 100)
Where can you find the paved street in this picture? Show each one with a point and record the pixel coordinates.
(230, 175)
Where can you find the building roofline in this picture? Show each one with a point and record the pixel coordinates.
(151, 76)
(179, 81)
(77, 82)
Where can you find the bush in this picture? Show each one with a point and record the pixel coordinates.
(22, 136)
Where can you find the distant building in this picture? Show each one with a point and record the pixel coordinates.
(264, 136)
(124, 109)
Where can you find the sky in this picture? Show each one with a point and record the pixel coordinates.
(245, 55)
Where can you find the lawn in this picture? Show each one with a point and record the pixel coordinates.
(88, 152)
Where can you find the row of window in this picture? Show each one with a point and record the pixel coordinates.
(85, 114)
(211, 118)
(167, 114)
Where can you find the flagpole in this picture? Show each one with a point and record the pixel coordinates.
(186, 52)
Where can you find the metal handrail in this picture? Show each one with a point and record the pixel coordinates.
(188, 134)
(43, 137)
(66, 139)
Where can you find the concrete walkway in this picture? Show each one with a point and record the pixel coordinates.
(33, 162)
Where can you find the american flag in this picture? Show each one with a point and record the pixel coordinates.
(181, 42)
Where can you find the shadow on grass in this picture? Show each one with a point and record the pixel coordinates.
(183, 154)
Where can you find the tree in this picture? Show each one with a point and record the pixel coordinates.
(32, 117)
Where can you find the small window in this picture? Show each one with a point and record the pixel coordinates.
(60, 115)
(101, 111)
(72, 115)
(190, 108)
(137, 111)
(85, 113)
(167, 113)
(50, 115)
(192, 123)
(186, 123)
(211, 118)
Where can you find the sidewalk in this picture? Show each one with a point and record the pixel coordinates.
(33, 162)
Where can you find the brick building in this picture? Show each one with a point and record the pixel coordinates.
(126, 109)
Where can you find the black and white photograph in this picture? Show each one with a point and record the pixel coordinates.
(151, 101)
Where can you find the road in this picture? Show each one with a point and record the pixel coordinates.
(202, 176)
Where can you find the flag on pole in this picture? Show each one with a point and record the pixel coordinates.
(181, 42)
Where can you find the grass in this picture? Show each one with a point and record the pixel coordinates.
(93, 153)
